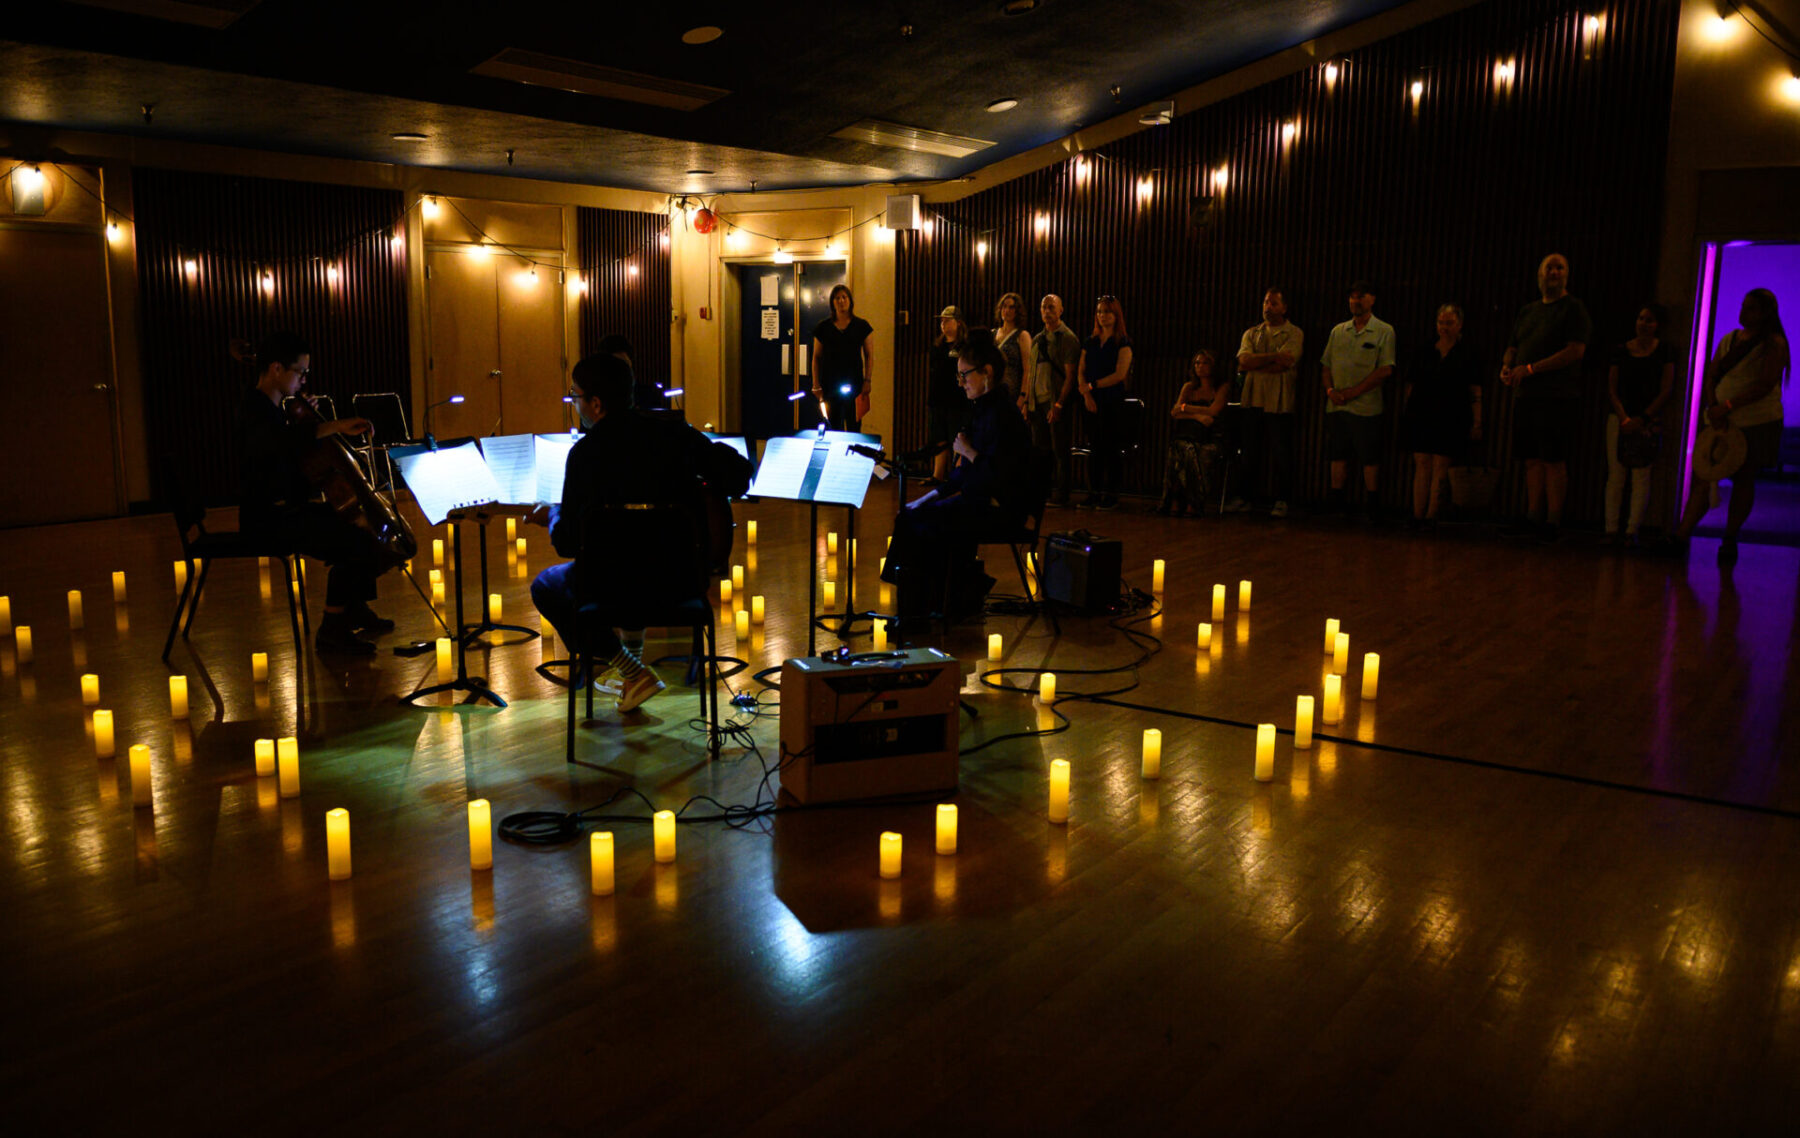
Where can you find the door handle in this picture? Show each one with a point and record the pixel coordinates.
(496, 371)
(102, 387)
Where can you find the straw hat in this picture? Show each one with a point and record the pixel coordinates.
(1718, 452)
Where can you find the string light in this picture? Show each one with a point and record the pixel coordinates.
(191, 267)
(733, 239)
(30, 179)
(663, 240)
(481, 249)
(578, 283)
(1331, 74)
(331, 274)
(1718, 28)
(1288, 131)
(782, 256)
(1221, 177)
(112, 231)
(630, 270)
(527, 277)
(1594, 23)
(1041, 223)
(981, 249)
(1791, 88)
(1145, 188)
(428, 207)
(1417, 90)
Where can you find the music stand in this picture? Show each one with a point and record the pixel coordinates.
(473, 633)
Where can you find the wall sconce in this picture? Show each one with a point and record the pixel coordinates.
(30, 191)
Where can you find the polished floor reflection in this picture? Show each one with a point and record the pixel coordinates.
(1540, 884)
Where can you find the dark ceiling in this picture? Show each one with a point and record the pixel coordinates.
(339, 78)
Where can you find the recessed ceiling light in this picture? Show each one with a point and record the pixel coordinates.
(999, 105)
(1017, 7)
(408, 136)
(705, 33)
(698, 173)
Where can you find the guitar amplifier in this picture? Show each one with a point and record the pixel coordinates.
(869, 725)
(1082, 569)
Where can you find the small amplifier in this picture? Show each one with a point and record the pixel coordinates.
(869, 725)
(1082, 569)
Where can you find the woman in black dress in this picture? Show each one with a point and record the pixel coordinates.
(1638, 381)
(1443, 412)
(843, 363)
(1105, 366)
(946, 407)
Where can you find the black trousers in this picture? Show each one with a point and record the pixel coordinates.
(315, 530)
(934, 546)
(1267, 438)
(1106, 447)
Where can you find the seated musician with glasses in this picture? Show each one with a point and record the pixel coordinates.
(932, 559)
(625, 458)
(278, 502)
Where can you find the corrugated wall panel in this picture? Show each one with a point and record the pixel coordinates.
(1457, 202)
(611, 242)
(236, 230)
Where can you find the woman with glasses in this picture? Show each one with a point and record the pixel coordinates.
(1013, 341)
(1105, 364)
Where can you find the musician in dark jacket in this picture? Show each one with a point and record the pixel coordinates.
(987, 493)
(626, 458)
(278, 503)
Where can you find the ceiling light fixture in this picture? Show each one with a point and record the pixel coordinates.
(999, 105)
(697, 173)
(1162, 114)
(705, 33)
(407, 136)
(1018, 7)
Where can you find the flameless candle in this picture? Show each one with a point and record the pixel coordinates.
(1331, 631)
(118, 586)
(1265, 752)
(1303, 721)
(1156, 576)
(890, 851)
(180, 575)
(1371, 674)
(1334, 699)
(437, 592)
(724, 591)
(881, 567)
(737, 577)
(1152, 752)
(512, 529)
(600, 863)
(751, 529)
(662, 824)
(494, 607)
(519, 548)
(757, 609)
(287, 766)
(1205, 635)
(887, 591)
(141, 793)
(337, 844)
(90, 690)
(993, 645)
(481, 835)
(446, 666)
(1218, 612)
(437, 576)
(1047, 687)
(1244, 595)
(881, 641)
(741, 622)
(265, 757)
(178, 701)
(1340, 653)
(830, 595)
(259, 667)
(5, 616)
(946, 828)
(1059, 790)
(22, 640)
(76, 619)
(437, 551)
(103, 734)
(831, 542)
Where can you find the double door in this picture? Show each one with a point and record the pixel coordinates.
(496, 339)
(780, 305)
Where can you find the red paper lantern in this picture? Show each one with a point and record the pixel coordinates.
(704, 221)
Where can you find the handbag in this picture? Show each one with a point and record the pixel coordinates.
(1638, 450)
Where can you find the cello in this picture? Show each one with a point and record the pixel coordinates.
(331, 466)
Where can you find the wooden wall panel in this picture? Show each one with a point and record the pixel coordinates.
(236, 231)
(1457, 202)
(611, 244)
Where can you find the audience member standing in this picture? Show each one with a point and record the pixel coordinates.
(1269, 358)
(1193, 461)
(1359, 356)
(1013, 340)
(1638, 382)
(946, 407)
(1443, 411)
(1543, 363)
(1744, 384)
(1055, 357)
(843, 362)
(1105, 364)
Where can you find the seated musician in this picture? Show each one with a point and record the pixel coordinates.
(986, 494)
(279, 503)
(625, 457)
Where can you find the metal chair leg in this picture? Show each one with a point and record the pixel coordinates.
(199, 587)
(577, 662)
(180, 606)
(712, 690)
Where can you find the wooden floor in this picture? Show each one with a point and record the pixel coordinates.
(1549, 882)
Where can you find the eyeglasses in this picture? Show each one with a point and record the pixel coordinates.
(964, 373)
(1107, 299)
(576, 395)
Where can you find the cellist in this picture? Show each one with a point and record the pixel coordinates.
(278, 502)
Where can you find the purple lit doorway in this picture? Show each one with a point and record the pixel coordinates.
(1728, 270)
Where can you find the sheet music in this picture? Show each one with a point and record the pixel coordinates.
(552, 462)
(449, 478)
(512, 459)
(735, 442)
(845, 479)
(783, 470)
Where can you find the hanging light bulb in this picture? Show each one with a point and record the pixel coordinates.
(981, 248)
(1145, 188)
(268, 283)
(631, 270)
(428, 207)
(1041, 223)
(1418, 89)
(331, 274)
(112, 231)
(1288, 130)
(1220, 177)
(782, 256)
(1331, 74)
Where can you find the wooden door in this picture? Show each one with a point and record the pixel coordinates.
(533, 374)
(56, 378)
(464, 354)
